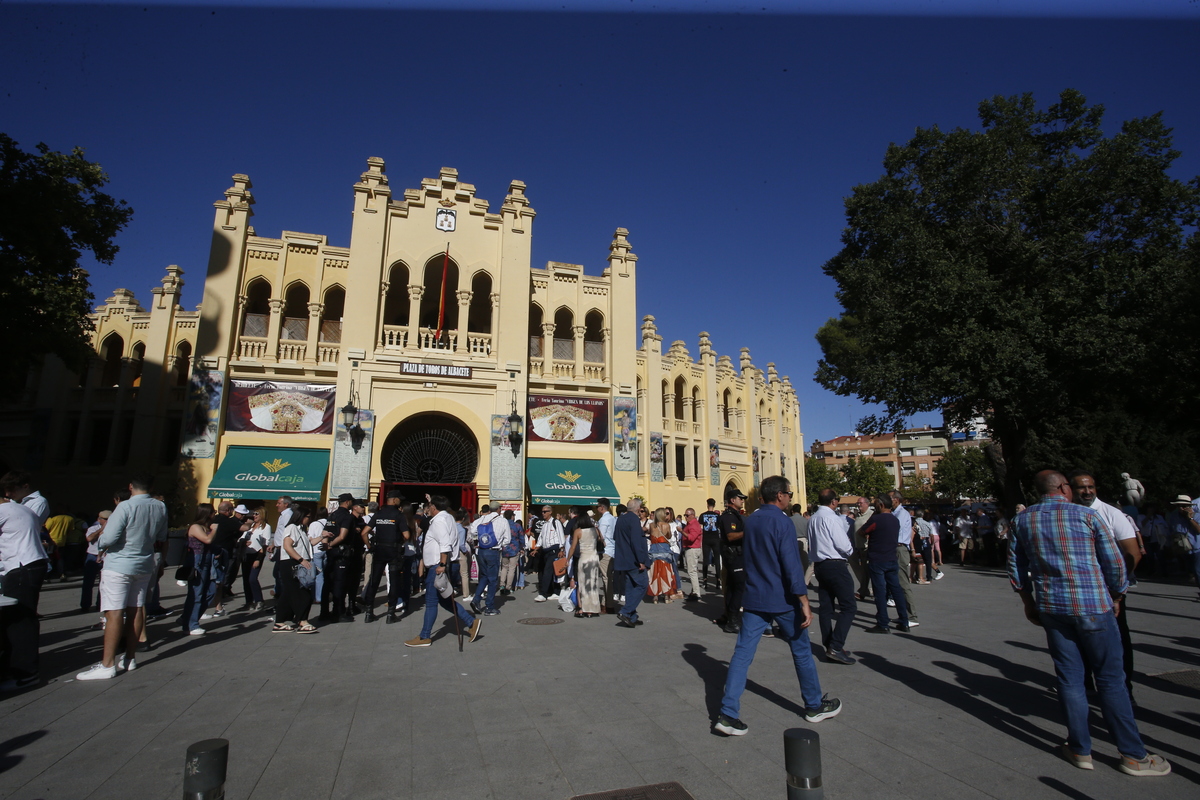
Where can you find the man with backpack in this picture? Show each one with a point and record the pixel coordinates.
(491, 535)
(510, 554)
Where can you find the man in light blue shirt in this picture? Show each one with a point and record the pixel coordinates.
(904, 554)
(128, 547)
(607, 525)
(829, 548)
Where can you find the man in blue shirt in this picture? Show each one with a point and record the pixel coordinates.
(775, 592)
(1070, 575)
(630, 561)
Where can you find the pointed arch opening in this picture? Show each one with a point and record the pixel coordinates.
(564, 335)
(295, 313)
(593, 337)
(331, 315)
(138, 357)
(258, 308)
(726, 399)
(696, 404)
(433, 302)
(479, 313)
(183, 363)
(396, 305)
(111, 351)
(535, 331)
(680, 394)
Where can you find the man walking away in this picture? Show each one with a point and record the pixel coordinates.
(630, 561)
(775, 592)
(128, 546)
(440, 546)
(607, 525)
(1065, 555)
(904, 555)
(491, 535)
(712, 542)
(830, 549)
(389, 527)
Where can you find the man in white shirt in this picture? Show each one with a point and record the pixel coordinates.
(487, 553)
(1083, 487)
(904, 554)
(284, 506)
(22, 570)
(607, 525)
(829, 549)
(440, 547)
(551, 540)
(17, 488)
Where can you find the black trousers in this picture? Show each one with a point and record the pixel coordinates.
(384, 556)
(337, 585)
(835, 585)
(712, 552)
(295, 602)
(19, 623)
(546, 582)
(735, 582)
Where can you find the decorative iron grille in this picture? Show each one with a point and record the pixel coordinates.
(433, 455)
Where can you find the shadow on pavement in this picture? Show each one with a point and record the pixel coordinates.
(7, 759)
(712, 671)
(1062, 788)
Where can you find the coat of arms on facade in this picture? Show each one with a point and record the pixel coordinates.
(445, 219)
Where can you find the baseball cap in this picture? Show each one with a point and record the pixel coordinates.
(732, 493)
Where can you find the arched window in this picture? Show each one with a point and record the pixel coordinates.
(183, 363)
(295, 313)
(738, 417)
(139, 359)
(726, 399)
(695, 404)
(666, 390)
(762, 417)
(432, 301)
(564, 335)
(593, 337)
(258, 308)
(111, 351)
(535, 331)
(479, 315)
(331, 316)
(680, 393)
(395, 307)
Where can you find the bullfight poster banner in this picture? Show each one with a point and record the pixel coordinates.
(279, 407)
(625, 439)
(582, 420)
(202, 419)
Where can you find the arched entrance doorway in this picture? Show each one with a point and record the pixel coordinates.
(431, 454)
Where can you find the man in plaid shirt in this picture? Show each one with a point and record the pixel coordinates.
(1067, 568)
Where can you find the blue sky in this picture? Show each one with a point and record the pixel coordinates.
(724, 142)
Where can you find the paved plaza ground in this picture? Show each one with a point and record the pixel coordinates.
(960, 709)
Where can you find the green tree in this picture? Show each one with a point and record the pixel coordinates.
(819, 476)
(866, 477)
(51, 210)
(964, 473)
(1037, 271)
(916, 488)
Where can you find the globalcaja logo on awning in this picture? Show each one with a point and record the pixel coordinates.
(575, 487)
(274, 468)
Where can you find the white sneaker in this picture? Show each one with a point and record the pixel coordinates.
(891, 604)
(939, 575)
(912, 623)
(196, 632)
(130, 667)
(97, 672)
(181, 583)
(539, 599)
(220, 612)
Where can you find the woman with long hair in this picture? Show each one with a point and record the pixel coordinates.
(298, 549)
(258, 538)
(662, 568)
(587, 544)
(198, 560)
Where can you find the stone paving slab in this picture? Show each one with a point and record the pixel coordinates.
(961, 708)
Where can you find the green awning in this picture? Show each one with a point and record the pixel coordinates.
(569, 481)
(268, 472)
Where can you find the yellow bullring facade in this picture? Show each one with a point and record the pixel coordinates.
(429, 354)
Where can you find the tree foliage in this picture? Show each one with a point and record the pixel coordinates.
(964, 474)
(51, 211)
(866, 477)
(819, 476)
(1039, 272)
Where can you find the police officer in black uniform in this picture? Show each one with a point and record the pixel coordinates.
(385, 537)
(338, 561)
(732, 527)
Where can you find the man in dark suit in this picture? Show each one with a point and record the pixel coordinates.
(630, 560)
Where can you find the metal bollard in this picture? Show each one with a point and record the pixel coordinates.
(802, 759)
(204, 770)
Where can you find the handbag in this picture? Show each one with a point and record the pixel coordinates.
(560, 566)
(305, 576)
(184, 574)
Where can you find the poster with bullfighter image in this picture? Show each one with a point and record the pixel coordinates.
(582, 420)
(625, 439)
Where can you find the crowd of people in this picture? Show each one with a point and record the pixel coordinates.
(592, 561)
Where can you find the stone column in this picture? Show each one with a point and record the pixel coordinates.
(240, 326)
(314, 330)
(495, 326)
(579, 331)
(608, 360)
(669, 456)
(273, 328)
(548, 349)
(464, 308)
(415, 293)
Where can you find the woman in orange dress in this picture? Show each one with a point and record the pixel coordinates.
(662, 570)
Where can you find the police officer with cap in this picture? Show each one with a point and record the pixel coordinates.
(390, 529)
(338, 529)
(732, 527)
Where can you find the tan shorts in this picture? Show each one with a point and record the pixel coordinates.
(966, 544)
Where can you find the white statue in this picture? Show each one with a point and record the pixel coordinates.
(1134, 491)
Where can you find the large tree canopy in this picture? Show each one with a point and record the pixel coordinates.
(51, 210)
(1039, 272)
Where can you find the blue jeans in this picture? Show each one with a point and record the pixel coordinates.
(1095, 642)
(489, 576)
(91, 574)
(885, 580)
(201, 591)
(318, 561)
(433, 600)
(636, 583)
(753, 625)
